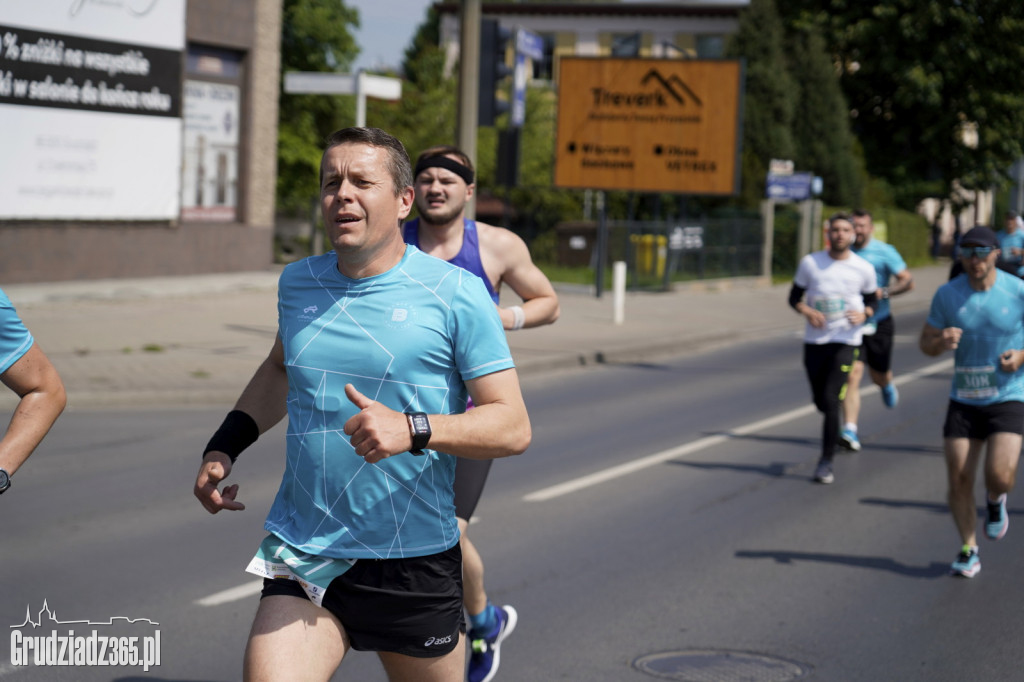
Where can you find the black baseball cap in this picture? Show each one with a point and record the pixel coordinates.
(979, 236)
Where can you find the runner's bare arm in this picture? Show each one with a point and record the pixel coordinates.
(498, 425)
(509, 251)
(263, 399)
(42, 395)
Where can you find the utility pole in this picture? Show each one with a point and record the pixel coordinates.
(469, 80)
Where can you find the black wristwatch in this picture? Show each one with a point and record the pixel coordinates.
(419, 427)
(5, 480)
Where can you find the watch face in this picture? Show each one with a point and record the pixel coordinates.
(421, 423)
(5, 480)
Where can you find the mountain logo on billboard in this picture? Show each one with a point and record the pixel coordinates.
(672, 88)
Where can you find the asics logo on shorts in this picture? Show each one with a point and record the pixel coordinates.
(438, 640)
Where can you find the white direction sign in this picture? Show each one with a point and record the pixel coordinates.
(360, 84)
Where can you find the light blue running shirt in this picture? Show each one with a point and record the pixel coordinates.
(408, 338)
(15, 339)
(1009, 241)
(992, 323)
(887, 262)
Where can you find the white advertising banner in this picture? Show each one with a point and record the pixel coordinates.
(90, 125)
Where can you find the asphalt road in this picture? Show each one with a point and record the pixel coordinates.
(664, 517)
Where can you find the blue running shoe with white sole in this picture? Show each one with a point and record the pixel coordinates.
(998, 519)
(485, 655)
(848, 439)
(967, 563)
(890, 395)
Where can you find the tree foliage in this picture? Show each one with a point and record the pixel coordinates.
(770, 97)
(315, 36)
(918, 75)
(821, 123)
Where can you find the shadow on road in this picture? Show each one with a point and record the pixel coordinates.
(932, 570)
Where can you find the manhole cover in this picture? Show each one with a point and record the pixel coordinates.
(710, 665)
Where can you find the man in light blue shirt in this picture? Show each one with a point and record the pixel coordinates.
(879, 331)
(979, 315)
(379, 348)
(1011, 244)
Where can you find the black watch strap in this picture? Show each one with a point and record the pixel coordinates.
(419, 427)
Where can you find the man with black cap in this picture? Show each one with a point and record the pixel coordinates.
(444, 182)
(979, 315)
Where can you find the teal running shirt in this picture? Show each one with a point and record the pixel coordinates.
(15, 339)
(409, 338)
(887, 262)
(992, 322)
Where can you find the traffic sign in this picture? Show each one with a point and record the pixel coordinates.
(794, 187)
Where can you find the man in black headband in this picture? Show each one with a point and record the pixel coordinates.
(444, 182)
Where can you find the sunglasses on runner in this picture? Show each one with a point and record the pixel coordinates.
(979, 251)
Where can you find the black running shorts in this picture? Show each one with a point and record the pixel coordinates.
(876, 349)
(406, 606)
(978, 422)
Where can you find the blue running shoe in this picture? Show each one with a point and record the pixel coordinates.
(967, 563)
(998, 519)
(486, 650)
(848, 439)
(890, 395)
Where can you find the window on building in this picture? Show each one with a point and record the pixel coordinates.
(710, 46)
(211, 119)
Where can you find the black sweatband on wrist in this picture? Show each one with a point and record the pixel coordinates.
(236, 433)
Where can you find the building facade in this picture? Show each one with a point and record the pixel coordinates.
(684, 29)
(144, 138)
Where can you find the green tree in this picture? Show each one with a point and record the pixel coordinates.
(315, 36)
(933, 85)
(770, 96)
(821, 123)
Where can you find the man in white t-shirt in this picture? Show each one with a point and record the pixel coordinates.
(841, 295)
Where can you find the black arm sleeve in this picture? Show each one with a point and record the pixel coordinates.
(795, 294)
(871, 299)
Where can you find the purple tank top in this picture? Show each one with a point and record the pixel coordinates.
(468, 257)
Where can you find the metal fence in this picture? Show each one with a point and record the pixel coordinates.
(662, 252)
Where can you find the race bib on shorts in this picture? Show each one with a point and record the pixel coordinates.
(974, 383)
(277, 559)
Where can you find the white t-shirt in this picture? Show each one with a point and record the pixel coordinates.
(835, 287)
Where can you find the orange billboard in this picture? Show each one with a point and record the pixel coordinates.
(649, 125)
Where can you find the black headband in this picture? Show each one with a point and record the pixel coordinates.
(446, 163)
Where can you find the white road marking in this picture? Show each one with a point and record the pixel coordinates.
(612, 473)
(575, 485)
(233, 594)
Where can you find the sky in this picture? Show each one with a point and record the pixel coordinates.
(386, 28)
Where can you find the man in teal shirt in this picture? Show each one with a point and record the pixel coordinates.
(1011, 244)
(979, 315)
(876, 350)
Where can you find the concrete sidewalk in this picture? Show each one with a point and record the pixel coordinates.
(188, 341)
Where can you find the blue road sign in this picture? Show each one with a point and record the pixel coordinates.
(795, 187)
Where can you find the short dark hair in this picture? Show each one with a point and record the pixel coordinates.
(839, 216)
(861, 213)
(398, 164)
